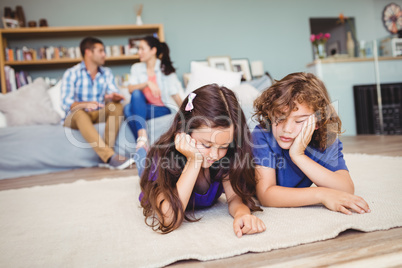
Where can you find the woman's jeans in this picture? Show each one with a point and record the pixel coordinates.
(140, 160)
(138, 111)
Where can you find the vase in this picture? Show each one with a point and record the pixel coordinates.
(319, 51)
(362, 51)
(139, 20)
(350, 45)
(20, 15)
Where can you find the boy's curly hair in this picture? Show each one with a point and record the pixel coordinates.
(304, 88)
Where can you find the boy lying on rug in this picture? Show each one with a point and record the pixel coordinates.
(206, 151)
(296, 145)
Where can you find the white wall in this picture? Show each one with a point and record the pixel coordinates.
(275, 31)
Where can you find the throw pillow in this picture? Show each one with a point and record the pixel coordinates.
(202, 75)
(55, 97)
(29, 105)
(246, 94)
(3, 120)
(261, 83)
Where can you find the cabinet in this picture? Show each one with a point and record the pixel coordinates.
(367, 109)
(341, 75)
(37, 34)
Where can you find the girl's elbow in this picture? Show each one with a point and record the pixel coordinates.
(169, 221)
(170, 224)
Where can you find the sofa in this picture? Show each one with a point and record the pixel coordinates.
(33, 141)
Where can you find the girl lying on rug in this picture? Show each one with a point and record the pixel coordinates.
(205, 152)
(296, 145)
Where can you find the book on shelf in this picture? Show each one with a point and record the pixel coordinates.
(13, 84)
(60, 52)
(7, 76)
(42, 53)
(18, 79)
(15, 79)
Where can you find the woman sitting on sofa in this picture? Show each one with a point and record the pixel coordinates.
(153, 83)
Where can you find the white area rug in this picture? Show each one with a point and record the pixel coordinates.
(100, 224)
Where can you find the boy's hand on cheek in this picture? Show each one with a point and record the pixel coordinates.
(303, 138)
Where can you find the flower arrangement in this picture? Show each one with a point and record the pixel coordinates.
(319, 41)
(319, 38)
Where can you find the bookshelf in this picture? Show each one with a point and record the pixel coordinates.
(7, 35)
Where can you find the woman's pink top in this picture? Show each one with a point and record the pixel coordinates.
(151, 99)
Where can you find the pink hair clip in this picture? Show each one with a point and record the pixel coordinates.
(190, 105)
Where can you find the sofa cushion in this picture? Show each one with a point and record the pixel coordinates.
(246, 94)
(3, 120)
(29, 105)
(53, 148)
(202, 75)
(55, 97)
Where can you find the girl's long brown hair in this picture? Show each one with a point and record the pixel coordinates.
(214, 107)
(305, 88)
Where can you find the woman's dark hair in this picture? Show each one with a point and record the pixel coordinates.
(214, 107)
(162, 53)
(304, 88)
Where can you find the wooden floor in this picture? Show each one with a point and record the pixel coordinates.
(349, 249)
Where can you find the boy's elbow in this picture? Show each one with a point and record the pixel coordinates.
(264, 203)
(267, 202)
(344, 182)
(264, 198)
(351, 188)
(347, 187)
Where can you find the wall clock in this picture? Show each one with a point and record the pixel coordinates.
(392, 18)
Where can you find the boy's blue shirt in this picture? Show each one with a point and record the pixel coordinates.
(268, 153)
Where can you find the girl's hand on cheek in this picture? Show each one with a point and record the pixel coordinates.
(248, 224)
(304, 137)
(186, 145)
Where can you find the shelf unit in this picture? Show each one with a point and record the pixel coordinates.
(7, 35)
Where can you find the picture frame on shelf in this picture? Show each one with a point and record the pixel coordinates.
(242, 65)
(10, 23)
(220, 62)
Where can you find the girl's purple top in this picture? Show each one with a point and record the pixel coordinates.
(215, 190)
(209, 198)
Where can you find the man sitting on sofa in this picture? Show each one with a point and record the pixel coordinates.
(90, 96)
